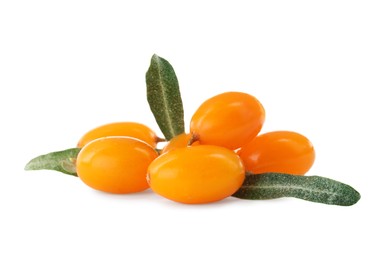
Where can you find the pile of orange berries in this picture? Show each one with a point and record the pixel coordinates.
(206, 165)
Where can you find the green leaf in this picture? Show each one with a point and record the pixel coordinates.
(311, 188)
(164, 98)
(62, 161)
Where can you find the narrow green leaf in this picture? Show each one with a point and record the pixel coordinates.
(311, 188)
(164, 98)
(62, 161)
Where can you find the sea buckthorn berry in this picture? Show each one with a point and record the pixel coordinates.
(130, 129)
(179, 141)
(196, 174)
(230, 119)
(279, 151)
(115, 164)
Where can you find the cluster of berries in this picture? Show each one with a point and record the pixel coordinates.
(205, 165)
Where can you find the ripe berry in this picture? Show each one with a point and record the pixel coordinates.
(196, 174)
(115, 164)
(230, 119)
(130, 129)
(280, 151)
(179, 141)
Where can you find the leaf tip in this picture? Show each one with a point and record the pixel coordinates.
(355, 197)
(155, 57)
(30, 166)
(27, 167)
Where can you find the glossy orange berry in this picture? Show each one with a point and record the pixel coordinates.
(130, 129)
(115, 164)
(196, 174)
(179, 141)
(279, 151)
(230, 119)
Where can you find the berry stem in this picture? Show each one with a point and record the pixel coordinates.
(194, 138)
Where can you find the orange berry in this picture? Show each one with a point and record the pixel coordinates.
(196, 174)
(230, 119)
(280, 151)
(115, 164)
(130, 129)
(179, 141)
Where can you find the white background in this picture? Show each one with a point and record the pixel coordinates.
(320, 68)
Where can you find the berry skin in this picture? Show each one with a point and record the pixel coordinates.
(115, 164)
(230, 119)
(179, 141)
(130, 129)
(196, 174)
(279, 151)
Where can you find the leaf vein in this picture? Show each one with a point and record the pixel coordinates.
(164, 98)
(290, 187)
